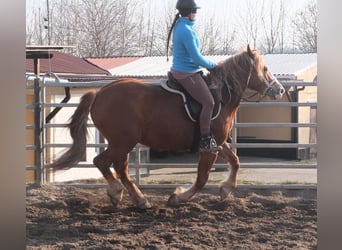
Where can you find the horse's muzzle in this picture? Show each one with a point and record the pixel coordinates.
(276, 91)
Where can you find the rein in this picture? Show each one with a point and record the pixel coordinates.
(248, 98)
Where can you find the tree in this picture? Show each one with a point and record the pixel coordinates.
(95, 28)
(104, 27)
(140, 27)
(169, 13)
(209, 35)
(249, 22)
(149, 30)
(305, 25)
(273, 27)
(35, 33)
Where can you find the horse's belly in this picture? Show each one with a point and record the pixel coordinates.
(168, 137)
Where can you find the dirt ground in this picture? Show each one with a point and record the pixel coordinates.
(68, 217)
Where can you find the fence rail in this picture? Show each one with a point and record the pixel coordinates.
(39, 105)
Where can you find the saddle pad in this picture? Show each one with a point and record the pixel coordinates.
(192, 107)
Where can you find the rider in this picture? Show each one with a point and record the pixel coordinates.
(186, 68)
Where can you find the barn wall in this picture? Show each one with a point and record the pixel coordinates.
(265, 114)
(309, 94)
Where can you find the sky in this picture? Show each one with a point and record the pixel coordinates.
(214, 6)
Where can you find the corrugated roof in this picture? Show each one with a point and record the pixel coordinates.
(290, 64)
(144, 67)
(281, 65)
(111, 62)
(66, 64)
(156, 66)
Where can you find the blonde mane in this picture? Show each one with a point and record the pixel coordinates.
(233, 72)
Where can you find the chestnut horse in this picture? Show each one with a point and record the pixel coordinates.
(129, 111)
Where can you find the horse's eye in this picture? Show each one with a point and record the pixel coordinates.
(265, 69)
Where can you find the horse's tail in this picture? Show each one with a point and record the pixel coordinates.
(78, 132)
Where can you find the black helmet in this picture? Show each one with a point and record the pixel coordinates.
(186, 4)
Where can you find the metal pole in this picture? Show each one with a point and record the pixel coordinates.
(234, 134)
(137, 164)
(37, 131)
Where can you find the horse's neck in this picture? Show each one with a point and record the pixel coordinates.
(234, 92)
(230, 106)
(232, 99)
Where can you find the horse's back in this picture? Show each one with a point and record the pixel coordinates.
(125, 94)
(141, 111)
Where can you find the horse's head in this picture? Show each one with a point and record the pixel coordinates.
(260, 78)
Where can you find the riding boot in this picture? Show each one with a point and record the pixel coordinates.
(208, 144)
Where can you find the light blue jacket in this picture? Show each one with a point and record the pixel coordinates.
(187, 57)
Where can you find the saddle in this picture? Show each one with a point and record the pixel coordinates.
(192, 107)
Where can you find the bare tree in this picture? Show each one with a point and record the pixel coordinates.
(104, 27)
(305, 24)
(228, 38)
(148, 29)
(96, 28)
(169, 13)
(35, 32)
(140, 27)
(273, 26)
(249, 22)
(209, 34)
(63, 23)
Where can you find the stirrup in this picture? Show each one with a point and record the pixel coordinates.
(208, 144)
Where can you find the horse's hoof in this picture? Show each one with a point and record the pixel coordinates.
(225, 192)
(114, 202)
(144, 205)
(115, 199)
(173, 201)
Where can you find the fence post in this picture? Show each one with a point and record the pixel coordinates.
(137, 164)
(37, 132)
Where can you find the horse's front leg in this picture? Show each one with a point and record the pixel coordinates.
(230, 183)
(182, 195)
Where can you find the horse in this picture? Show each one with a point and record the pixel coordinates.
(128, 111)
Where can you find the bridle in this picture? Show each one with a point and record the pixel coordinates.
(266, 91)
(261, 96)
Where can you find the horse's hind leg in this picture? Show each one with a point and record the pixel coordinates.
(121, 168)
(230, 183)
(181, 195)
(114, 190)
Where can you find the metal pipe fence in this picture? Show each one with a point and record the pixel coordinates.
(41, 144)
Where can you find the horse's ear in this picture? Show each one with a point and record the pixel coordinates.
(249, 52)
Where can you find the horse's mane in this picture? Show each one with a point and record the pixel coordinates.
(233, 72)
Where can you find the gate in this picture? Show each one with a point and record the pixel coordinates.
(44, 108)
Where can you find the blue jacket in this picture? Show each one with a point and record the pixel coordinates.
(187, 57)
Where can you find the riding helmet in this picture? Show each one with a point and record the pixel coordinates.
(186, 6)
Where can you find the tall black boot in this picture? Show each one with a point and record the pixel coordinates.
(208, 144)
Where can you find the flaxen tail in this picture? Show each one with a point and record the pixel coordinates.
(78, 132)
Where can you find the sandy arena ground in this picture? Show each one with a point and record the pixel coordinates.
(68, 217)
